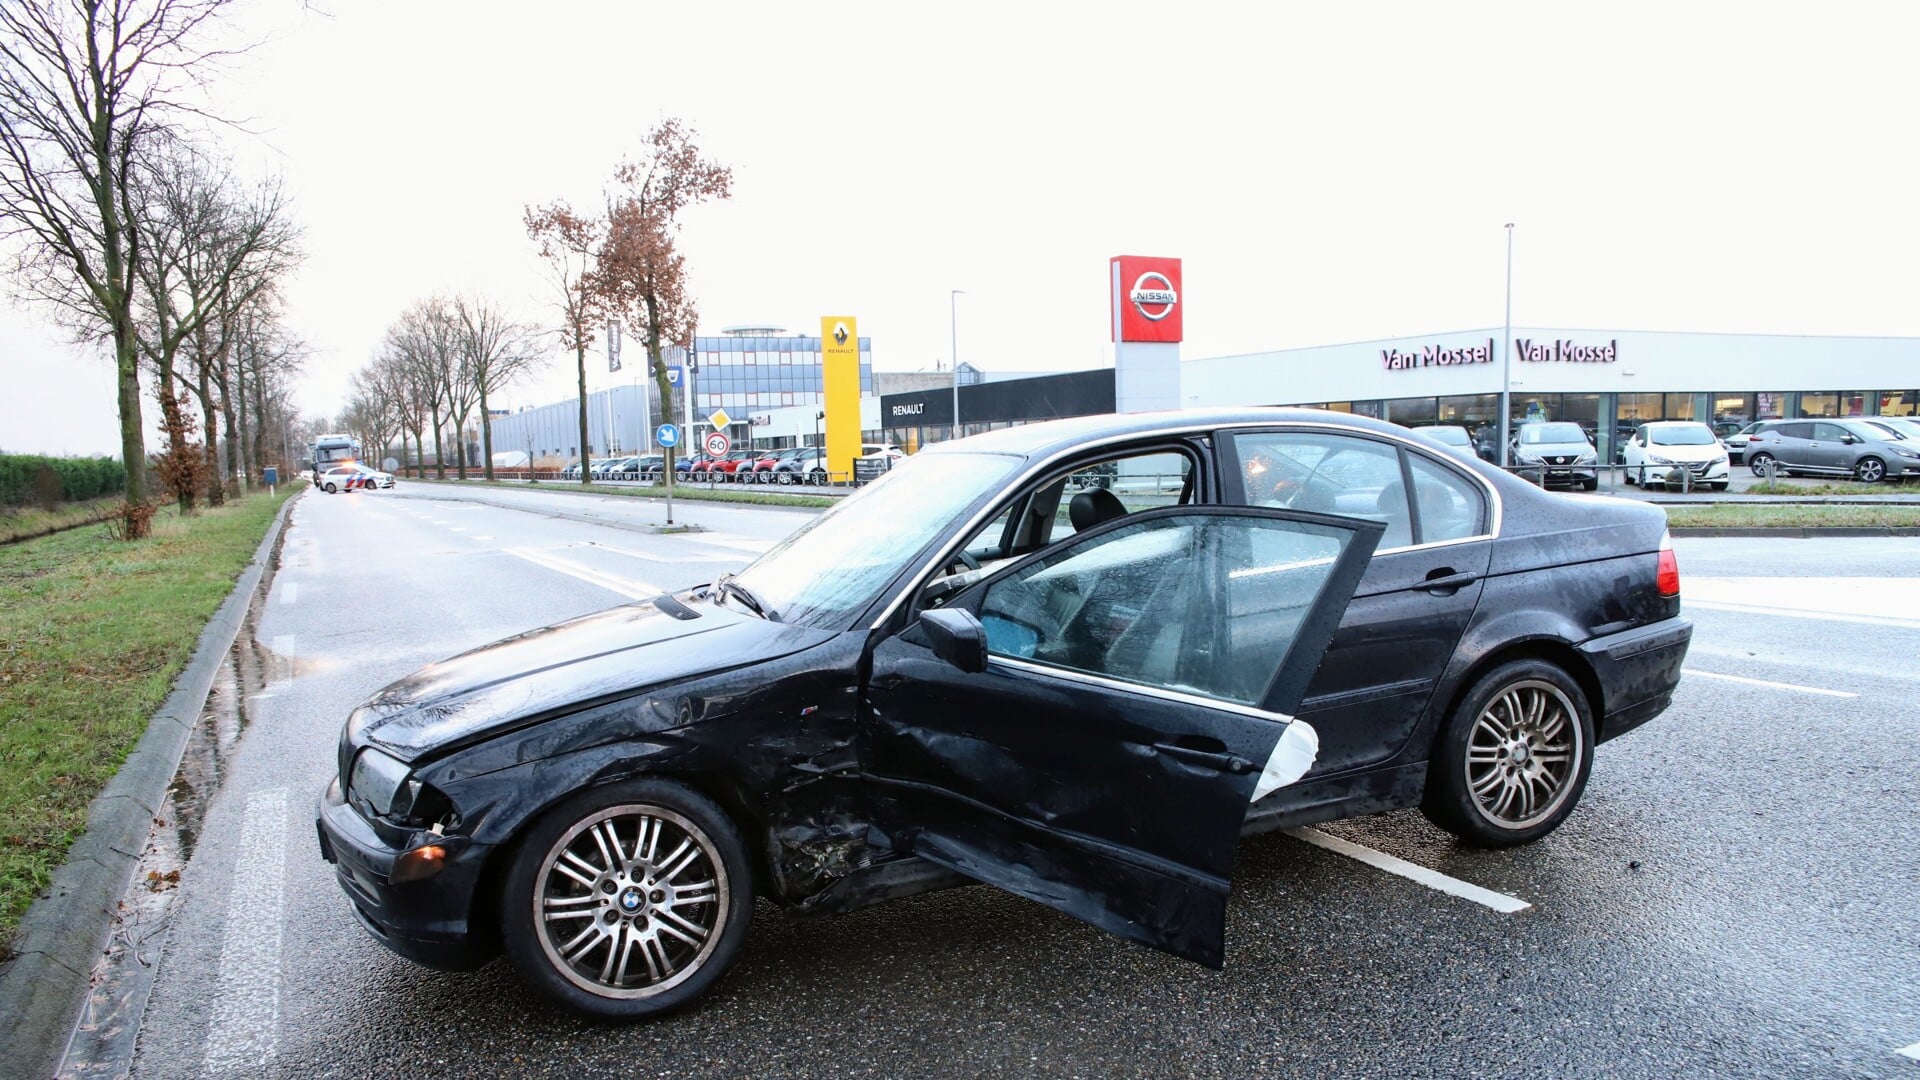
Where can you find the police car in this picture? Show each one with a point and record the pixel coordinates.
(352, 478)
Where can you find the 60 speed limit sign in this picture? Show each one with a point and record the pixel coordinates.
(716, 443)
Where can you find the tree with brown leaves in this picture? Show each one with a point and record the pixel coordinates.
(640, 273)
(570, 245)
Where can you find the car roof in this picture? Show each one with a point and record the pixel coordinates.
(1055, 436)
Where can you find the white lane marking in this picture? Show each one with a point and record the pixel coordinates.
(1432, 879)
(1910, 1051)
(244, 1029)
(1802, 613)
(637, 590)
(289, 592)
(671, 558)
(1769, 684)
(738, 543)
(283, 644)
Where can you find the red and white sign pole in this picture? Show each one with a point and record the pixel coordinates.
(1149, 311)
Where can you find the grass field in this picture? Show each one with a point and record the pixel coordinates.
(1815, 516)
(92, 633)
(20, 522)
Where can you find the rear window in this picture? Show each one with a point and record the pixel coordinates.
(1538, 434)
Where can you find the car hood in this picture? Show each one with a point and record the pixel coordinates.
(564, 668)
(1686, 453)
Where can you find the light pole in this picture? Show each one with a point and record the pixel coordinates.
(1506, 360)
(953, 323)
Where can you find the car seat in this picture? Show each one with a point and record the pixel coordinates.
(1094, 506)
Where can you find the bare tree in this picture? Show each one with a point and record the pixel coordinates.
(83, 83)
(425, 341)
(494, 351)
(570, 244)
(640, 273)
(371, 416)
(212, 248)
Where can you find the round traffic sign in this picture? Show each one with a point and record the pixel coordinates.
(667, 435)
(716, 443)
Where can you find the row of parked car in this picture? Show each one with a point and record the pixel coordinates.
(796, 465)
(1562, 453)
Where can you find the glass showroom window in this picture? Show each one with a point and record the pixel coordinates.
(1412, 412)
(1637, 409)
(1679, 407)
(1900, 403)
(1834, 403)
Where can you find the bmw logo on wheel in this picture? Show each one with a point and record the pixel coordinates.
(1145, 295)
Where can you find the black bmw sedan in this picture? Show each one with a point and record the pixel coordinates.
(1075, 661)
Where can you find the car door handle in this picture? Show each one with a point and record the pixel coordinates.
(1212, 759)
(1447, 583)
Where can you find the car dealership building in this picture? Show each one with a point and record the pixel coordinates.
(1608, 381)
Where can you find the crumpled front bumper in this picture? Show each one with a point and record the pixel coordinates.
(425, 921)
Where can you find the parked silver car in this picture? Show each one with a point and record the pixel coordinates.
(1452, 436)
(1558, 451)
(1866, 451)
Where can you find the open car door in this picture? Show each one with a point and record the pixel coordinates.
(1087, 726)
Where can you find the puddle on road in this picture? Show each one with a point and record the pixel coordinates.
(103, 1041)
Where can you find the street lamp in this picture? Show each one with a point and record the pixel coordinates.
(1506, 360)
(953, 323)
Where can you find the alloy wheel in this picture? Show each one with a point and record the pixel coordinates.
(630, 901)
(1870, 470)
(1523, 753)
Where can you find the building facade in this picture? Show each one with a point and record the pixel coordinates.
(755, 369)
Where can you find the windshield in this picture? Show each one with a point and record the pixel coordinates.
(1537, 434)
(1689, 435)
(825, 573)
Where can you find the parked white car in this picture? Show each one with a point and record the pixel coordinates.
(1657, 449)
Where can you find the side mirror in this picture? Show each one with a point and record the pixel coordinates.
(957, 637)
(1849, 439)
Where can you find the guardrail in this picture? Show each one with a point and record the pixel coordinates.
(1612, 478)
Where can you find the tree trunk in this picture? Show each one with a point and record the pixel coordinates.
(460, 439)
(176, 434)
(486, 434)
(216, 493)
(439, 455)
(226, 408)
(240, 433)
(133, 448)
(580, 354)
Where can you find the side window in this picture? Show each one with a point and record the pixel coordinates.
(1449, 505)
(1828, 432)
(1328, 474)
(1794, 431)
(1207, 603)
(1098, 493)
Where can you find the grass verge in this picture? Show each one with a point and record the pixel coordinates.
(24, 523)
(93, 632)
(1843, 487)
(687, 494)
(1823, 516)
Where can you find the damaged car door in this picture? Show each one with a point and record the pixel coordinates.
(1086, 727)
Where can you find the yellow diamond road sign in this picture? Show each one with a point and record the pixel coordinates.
(720, 419)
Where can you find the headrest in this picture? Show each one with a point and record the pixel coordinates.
(1094, 506)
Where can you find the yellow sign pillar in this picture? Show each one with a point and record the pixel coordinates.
(840, 374)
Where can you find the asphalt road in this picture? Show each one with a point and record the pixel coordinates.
(1738, 895)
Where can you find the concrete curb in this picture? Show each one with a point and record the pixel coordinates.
(44, 986)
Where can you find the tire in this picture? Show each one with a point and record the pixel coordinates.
(331, 489)
(1629, 478)
(1591, 483)
(818, 478)
(636, 962)
(1869, 470)
(1718, 485)
(1471, 787)
(784, 479)
(1759, 465)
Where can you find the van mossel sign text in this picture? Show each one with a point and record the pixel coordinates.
(1526, 350)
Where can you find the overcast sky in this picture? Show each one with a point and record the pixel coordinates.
(1328, 172)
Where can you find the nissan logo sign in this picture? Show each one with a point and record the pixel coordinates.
(1144, 296)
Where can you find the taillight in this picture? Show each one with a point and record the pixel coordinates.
(1669, 576)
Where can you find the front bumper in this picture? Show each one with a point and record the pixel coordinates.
(1550, 473)
(1638, 670)
(425, 921)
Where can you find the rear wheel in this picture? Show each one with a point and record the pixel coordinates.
(629, 900)
(1760, 463)
(1870, 470)
(1513, 759)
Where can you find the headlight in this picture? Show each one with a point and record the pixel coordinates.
(1656, 459)
(1587, 457)
(1521, 457)
(1904, 452)
(1719, 459)
(383, 782)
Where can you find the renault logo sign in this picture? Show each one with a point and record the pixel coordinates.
(839, 333)
(1152, 291)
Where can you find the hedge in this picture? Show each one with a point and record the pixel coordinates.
(28, 479)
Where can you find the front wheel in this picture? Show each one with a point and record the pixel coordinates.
(1870, 470)
(331, 489)
(629, 900)
(1513, 758)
